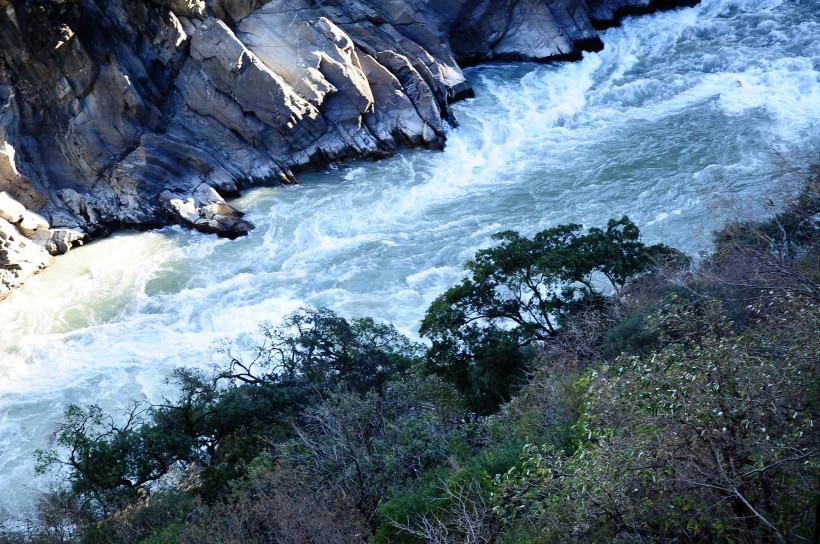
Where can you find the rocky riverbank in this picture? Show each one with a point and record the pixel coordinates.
(137, 113)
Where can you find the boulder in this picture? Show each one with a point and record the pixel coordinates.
(206, 211)
(27, 243)
(31, 224)
(62, 240)
(20, 258)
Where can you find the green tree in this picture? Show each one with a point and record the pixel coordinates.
(518, 294)
(321, 348)
(218, 423)
(109, 461)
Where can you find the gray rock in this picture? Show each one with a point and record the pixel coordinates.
(233, 10)
(11, 210)
(20, 258)
(119, 113)
(62, 240)
(206, 211)
(31, 223)
(27, 243)
(183, 8)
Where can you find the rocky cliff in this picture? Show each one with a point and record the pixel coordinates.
(140, 113)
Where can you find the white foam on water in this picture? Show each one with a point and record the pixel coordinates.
(677, 116)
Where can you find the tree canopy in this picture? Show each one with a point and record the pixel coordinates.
(220, 421)
(519, 293)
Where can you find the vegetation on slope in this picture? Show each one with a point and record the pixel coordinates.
(579, 387)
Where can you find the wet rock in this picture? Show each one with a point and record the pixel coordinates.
(206, 211)
(119, 113)
(20, 257)
(27, 243)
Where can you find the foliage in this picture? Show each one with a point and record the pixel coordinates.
(218, 423)
(58, 516)
(460, 512)
(152, 514)
(631, 336)
(449, 505)
(517, 295)
(364, 445)
(769, 257)
(323, 349)
(275, 505)
(110, 461)
(666, 413)
(707, 440)
(547, 407)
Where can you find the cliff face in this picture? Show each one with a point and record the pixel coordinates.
(142, 113)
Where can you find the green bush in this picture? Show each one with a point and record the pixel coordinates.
(518, 294)
(450, 504)
(220, 422)
(630, 336)
(708, 439)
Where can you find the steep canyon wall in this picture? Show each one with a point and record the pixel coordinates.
(138, 113)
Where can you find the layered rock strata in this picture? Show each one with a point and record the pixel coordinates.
(141, 113)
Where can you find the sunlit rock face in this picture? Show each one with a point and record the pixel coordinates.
(27, 243)
(140, 113)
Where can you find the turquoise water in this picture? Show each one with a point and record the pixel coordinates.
(686, 119)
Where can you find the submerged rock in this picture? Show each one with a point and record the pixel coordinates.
(122, 113)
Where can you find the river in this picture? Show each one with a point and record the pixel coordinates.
(685, 120)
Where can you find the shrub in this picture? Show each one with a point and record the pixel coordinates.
(220, 422)
(364, 446)
(709, 439)
(517, 295)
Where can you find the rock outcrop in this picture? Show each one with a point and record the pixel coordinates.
(27, 242)
(141, 113)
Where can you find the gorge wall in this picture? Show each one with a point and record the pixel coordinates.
(142, 113)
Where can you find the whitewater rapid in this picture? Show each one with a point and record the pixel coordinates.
(685, 120)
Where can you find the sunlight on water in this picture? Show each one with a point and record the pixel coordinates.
(681, 122)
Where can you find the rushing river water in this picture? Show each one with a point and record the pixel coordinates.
(684, 120)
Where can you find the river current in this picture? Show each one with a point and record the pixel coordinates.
(685, 120)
